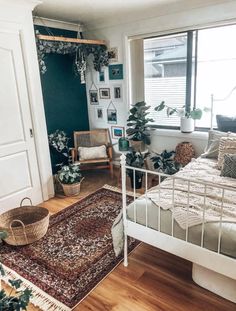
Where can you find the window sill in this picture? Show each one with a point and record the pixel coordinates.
(178, 134)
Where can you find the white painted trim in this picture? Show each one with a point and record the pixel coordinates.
(196, 254)
(42, 21)
(176, 133)
(30, 4)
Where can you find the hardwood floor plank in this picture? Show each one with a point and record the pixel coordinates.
(154, 279)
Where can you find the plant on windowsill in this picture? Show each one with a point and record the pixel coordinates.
(138, 129)
(135, 159)
(69, 175)
(20, 300)
(187, 117)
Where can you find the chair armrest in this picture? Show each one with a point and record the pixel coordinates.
(74, 154)
(109, 151)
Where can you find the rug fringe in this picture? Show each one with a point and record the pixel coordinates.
(40, 299)
(119, 190)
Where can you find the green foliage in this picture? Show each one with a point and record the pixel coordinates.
(69, 174)
(18, 302)
(135, 159)
(138, 123)
(165, 163)
(59, 141)
(195, 113)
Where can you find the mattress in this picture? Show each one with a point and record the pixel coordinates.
(211, 229)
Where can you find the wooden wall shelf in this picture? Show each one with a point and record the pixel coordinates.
(72, 40)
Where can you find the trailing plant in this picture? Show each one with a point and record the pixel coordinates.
(165, 163)
(138, 123)
(69, 174)
(195, 113)
(59, 141)
(10, 302)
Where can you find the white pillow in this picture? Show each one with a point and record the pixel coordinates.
(90, 153)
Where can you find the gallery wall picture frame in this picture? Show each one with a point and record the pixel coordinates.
(101, 76)
(99, 114)
(115, 72)
(117, 132)
(104, 93)
(111, 114)
(113, 55)
(93, 97)
(117, 92)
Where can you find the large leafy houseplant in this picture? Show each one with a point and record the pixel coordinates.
(135, 159)
(20, 300)
(138, 129)
(164, 162)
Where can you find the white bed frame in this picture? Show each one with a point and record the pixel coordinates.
(211, 270)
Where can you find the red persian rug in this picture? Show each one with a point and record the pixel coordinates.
(73, 257)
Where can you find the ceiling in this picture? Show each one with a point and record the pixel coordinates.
(92, 12)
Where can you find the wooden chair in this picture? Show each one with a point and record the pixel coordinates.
(93, 138)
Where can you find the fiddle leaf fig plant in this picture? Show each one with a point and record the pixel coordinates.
(138, 129)
(165, 163)
(20, 300)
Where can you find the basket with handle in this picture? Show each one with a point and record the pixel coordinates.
(25, 224)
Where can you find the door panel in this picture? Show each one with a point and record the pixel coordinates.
(19, 175)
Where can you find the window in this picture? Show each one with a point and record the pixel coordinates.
(186, 68)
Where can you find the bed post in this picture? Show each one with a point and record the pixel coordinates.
(123, 179)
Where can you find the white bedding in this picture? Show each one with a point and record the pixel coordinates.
(188, 215)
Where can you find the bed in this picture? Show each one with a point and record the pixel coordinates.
(191, 214)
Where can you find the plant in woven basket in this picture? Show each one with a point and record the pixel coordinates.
(138, 123)
(69, 174)
(10, 302)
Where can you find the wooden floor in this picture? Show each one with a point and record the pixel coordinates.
(153, 281)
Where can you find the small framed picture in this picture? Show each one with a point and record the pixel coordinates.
(101, 76)
(99, 113)
(104, 93)
(117, 131)
(117, 92)
(93, 96)
(112, 116)
(113, 55)
(116, 72)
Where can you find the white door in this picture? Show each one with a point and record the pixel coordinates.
(19, 174)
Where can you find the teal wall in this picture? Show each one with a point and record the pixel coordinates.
(65, 99)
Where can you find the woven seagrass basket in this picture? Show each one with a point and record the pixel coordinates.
(71, 189)
(25, 224)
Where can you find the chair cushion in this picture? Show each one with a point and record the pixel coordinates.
(229, 166)
(91, 153)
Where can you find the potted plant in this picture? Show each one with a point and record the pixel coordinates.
(138, 129)
(10, 302)
(164, 162)
(70, 178)
(69, 175)
(187, 117)
(135, 159)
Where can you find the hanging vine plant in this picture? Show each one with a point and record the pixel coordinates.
(78, 50)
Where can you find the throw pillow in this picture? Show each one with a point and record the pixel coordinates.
(227, 145)
(226, 124)
(212, 148)
(90, 153)
(229, 166)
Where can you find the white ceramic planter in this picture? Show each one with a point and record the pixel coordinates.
(186, 125)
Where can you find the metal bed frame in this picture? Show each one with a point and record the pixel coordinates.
(209, 267)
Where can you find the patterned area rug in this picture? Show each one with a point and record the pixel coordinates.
(73, 257)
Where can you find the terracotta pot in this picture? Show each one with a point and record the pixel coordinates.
(137, 145)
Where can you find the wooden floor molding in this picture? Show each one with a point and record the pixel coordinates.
(154, 279)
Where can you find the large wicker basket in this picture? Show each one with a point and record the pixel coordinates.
(24, 224)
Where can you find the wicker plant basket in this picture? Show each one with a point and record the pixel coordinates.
(25, 224)
(72, 189)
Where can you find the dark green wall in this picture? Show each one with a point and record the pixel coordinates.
(65, 100)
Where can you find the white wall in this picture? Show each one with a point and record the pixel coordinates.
(120, 36)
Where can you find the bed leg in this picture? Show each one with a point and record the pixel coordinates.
(125, 251)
